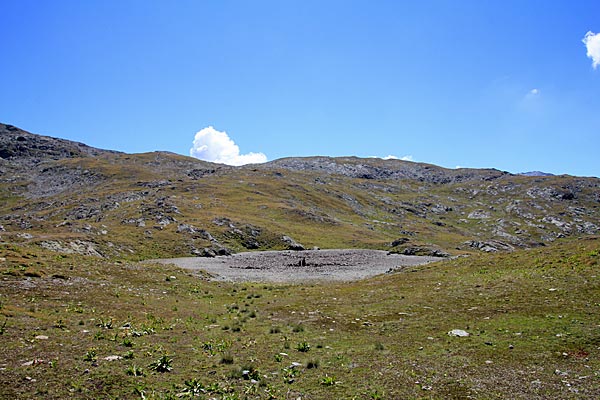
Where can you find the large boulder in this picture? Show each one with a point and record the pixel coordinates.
(292, 244)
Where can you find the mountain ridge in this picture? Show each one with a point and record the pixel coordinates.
(72, 197)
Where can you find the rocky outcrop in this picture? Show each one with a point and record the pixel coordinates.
(21, 146)
(378, 169)
(490, 246)
(292, 244)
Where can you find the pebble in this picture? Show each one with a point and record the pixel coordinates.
(41, 337)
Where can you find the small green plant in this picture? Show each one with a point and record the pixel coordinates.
(91, 355)
(193, 388)
(289, 375)
(379, 346)
(127, 342)
(297, 328)
(134, 370)
(3, 327)
(328, 380)
(251, 389)
(303, 347)
(105, 324)
(212, 346)
(163, 364)
(129, 355)
(140, 390)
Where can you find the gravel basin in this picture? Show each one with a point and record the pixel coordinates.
(300, 266)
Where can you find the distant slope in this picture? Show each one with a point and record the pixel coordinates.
(536, 173)
(70, 197)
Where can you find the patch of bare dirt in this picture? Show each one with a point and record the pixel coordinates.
(300, 266)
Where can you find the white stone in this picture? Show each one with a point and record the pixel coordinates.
(458, 333)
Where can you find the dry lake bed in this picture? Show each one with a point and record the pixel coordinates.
(300, 266)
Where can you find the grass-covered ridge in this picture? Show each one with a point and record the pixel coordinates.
(82, 327)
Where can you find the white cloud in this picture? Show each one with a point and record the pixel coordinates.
(215, 146)
(592, 43)
(531, 97)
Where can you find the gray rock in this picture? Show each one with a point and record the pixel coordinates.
(292, 244)
(479, 214)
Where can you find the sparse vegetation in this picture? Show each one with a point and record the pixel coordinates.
(528, 309)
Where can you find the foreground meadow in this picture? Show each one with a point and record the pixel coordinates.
(82, 327)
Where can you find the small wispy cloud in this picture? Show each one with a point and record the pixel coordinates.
(592, 44)
(216, 146)
(531, 97)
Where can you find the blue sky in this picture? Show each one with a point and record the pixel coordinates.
(502, 84)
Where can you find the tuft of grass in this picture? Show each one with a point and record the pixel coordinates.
(227, 359)
(275, 329)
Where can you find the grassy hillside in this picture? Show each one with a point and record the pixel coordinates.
(159, 205)
(80, 327)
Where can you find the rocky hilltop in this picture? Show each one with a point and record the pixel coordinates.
(371, 168)
(69, 197)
